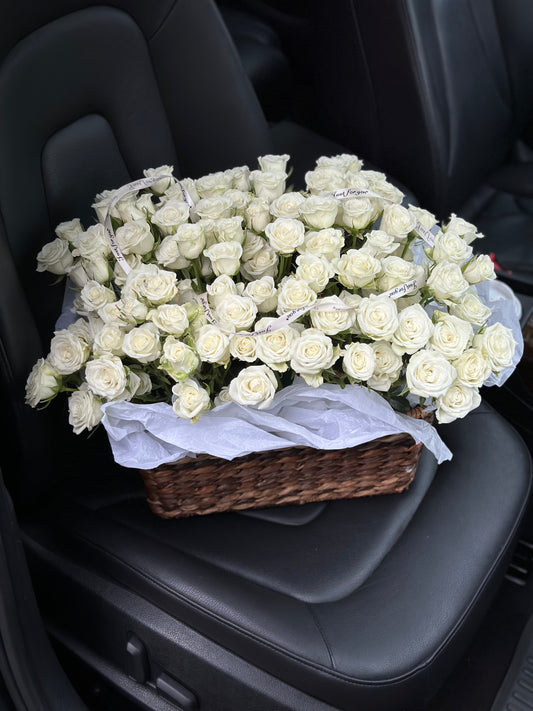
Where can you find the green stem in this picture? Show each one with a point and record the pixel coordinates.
(197, 274)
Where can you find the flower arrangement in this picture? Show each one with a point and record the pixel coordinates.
(225, 288)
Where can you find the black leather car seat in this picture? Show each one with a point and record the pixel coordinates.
(352, 604)
(446, 87)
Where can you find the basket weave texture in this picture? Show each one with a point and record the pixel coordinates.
(294, 475)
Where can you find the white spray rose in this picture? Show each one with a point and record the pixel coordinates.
(119, 275)
(449, 247)
(236, 312)
(451, 335)
(294, 293)
(319, 212)
(170, 318)
(324, 179)
(497, 345)
(323, 243)
(55, 257)
(128, 210)
(43, 383)
(225, 257)
(77, 274)
(145, 205)
(470, 308)
(239, 200)
(397, 271)
(212, 345)
(426, 219)
(385, 189)
(132, 310)
(92, 244)
(179, 360)
(257, 214)
(264, 293)
(472, 368)
(447, 282)
(254, 386)
(150, 284)
(316, 271)
(313, 353)
(358, 361)
(414, 330)
(169, 217)
(275, 348)
(95, 295)
(457, 402)
(109, 340)
(84, 410)
(268, 184)
(163, 171)
(106, 376)
(229, 229)
(379, 243)
(135, 237)
(213, 184)
(358, 212)
(332, 322)
(70, 230)
(252, 245)
(143, 343)
(223, 397)
(221, 287)
(429, 374)
(357, 268)
(191, 240)
(191, 399)
(378, 317)
(214, 208)
(464, 229)
(263, 263)
(287, 205)
(479, 269)
(285, 234)
(68, 352)
(243, 348)
(98, 269)
(387, 361)
(397, 221)
(342, 161)
(271, 162)
(240, 178)
(102, 203)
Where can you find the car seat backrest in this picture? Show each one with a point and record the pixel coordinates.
(89, 97)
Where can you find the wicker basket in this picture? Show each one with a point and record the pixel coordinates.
(295, 475)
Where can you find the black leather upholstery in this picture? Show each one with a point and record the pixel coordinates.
(446, 90)
(362, 604)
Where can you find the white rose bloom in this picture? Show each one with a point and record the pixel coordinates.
(426, 219)
(144, 385)
(352, 300)
(449, 247)
(357, 268)
(359, 361)
(112, 314)
(252, 245)
(70, 230)
(451, 335)
(77, 274)
(429, 374)
(332, 322)
(457, 402)
(229, 229)
(240, 178)
(191, 240)
(379, 243)
(145, 205)
(263, 263)
(170, 318)
(128, 210)
(164, 171)
(119, 275)
(386, 190)
(132, 310)
(378, 317)
(316, 271)
(174, 192)
(95, 295)
(98, 269)
(236, 312)
(356, 180)
(313, 353)
(319, 212)
(212, 345)
(243, 348)
(287, 205)
(239, 200)
(109, 340)
(223, 397)
(268, 184)
(414, 330)
(106, 376)
(464, 229)
(397, 221)
(214, 208)
(358, 212)
(479, 269)
(387, 361)
(102, 202)
(68, 352)
(324, 179)
(285, 234)
(225, 257)
(381, 382)
(168, 253)
(275, 348)
(82, 329)
(254, 386)
(191, 399)
(294, 293)
(143, 343)
(213, 184)
(84, 411)
(264, 293)
(179, 360)
(43, 383)
(55, 257)
(150, 284)
(92, 244)
(186, 294)
(257, 214)
(447, 282)
(169, 217)
(273, 163)
(396, 271)
(470, 308)
(221, 287)
(343, 161)
(324, 243)
(472, 368)
(135, 237)
(497, 345)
